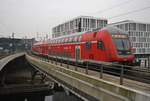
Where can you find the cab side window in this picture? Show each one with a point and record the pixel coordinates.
(88, 45)
(100, 45)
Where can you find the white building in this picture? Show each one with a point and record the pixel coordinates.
(139, 34)
(79, 24)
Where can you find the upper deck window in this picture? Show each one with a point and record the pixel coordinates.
(59, 40)
(63, 40)
(79, 38)
(66, 40)
(75, 39)
(70, 39)
(52, 41)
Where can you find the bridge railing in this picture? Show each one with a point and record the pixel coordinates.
(9, 58)
(121, 71)
(81, 84)
(4, 55)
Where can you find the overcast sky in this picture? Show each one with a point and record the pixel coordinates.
(27, 17)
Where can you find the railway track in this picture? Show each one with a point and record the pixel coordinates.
(122, 71)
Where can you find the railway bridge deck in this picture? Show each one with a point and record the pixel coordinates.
(89, 86)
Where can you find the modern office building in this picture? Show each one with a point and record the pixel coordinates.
(139, 34)
(79, 24)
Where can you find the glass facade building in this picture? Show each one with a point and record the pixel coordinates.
(79, 24)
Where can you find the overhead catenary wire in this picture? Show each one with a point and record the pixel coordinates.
(130, 12)
(114, 6)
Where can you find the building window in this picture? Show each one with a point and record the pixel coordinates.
(132, 26)
(93, 23)
(126, 26)
(142, 27)
(148, 27)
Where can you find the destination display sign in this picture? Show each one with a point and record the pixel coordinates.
(119, 36)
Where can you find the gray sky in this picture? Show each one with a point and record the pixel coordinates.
(27, 17)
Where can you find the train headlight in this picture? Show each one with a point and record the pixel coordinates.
(128, 52)
(119, 52)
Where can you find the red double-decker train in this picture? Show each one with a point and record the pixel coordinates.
(109, 44)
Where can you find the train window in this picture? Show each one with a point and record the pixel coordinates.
(75, 39)
(100, 45)
(66, 40)
(70, 39)
(59, 40)
(79, 39)
(88, 45)
(63, 40)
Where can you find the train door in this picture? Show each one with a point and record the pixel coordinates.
(77, 53)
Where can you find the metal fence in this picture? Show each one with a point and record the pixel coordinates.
(121, 71)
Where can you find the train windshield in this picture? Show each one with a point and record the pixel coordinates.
(122, 44)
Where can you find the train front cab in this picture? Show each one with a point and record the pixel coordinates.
(121, 45)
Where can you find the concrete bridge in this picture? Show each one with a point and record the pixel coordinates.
(88, 88)
(19, 78)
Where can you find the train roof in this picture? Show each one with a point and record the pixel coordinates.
(113, 30)
(71, 35)
(41, 42)
(110, 28)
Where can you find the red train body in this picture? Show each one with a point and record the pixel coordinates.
(108, 44)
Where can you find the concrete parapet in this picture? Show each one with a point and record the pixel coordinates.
(86, 85)
(7, 59)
